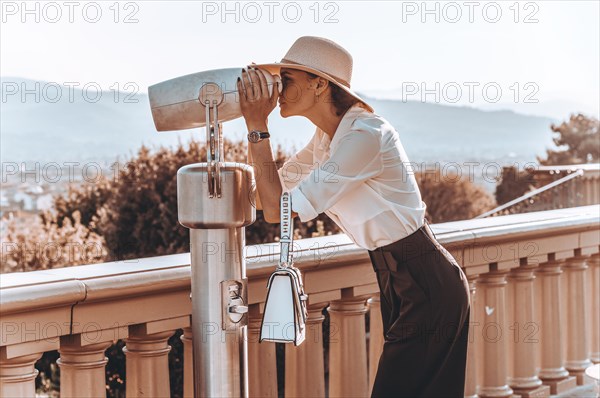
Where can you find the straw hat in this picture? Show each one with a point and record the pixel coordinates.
(320, 56)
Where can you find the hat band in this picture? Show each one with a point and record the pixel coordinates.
(339, 80)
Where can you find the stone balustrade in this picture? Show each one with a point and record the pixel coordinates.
(535, 290)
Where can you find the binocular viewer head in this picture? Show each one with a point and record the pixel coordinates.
(180, 103)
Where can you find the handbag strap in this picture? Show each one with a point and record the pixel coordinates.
(286, 239)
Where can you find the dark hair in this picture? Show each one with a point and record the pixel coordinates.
(342, 101)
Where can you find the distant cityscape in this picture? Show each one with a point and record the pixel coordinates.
(26, 194)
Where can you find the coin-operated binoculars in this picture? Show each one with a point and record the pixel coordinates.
(216, 202)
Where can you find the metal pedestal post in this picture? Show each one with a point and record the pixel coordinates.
(219, 284)
(216, 201)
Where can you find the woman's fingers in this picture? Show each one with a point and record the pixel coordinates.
(256, 83)
(241, 91)
(243, 83)
(255, 100)
(248, 86)
(264, 89)
(275, 93)
(265, 86)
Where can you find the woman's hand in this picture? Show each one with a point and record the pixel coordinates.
(255, 101)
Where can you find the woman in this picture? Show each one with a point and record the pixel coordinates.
(355, 170)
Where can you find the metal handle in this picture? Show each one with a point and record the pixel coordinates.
(238, 309)
(214, 145)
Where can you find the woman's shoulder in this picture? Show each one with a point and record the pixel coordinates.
(371, 122)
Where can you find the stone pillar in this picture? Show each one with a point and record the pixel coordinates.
(17, 375)
(594, 307)
(471, 372)
(577, 360)
(147, 357)
(304, 365)
(523, 378)
(552, 370)
(492, 312)
(262, 364)
(82, 367)
(188, 362)
(376, 337)
(348, 348)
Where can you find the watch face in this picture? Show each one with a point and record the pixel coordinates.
(254, 136)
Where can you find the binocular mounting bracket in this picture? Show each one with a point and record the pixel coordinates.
(211, 96)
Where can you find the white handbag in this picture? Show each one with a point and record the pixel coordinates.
(284, 317)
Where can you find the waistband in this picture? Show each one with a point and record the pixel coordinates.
(421, 241)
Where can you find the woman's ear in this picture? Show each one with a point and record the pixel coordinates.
(322, 84)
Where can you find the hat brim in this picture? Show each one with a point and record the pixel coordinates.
(275, 69)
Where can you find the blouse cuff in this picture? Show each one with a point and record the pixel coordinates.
(302, 206)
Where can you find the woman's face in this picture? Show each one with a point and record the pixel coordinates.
(298, 95)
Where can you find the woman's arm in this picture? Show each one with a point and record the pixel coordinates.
(268, 182)
(251, 162)
(256, 105)
(355, 159)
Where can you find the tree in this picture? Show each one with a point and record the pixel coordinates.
(513, 184)
(579, 140)
(452, 197)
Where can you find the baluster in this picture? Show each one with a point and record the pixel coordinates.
(577, 360)
(348, 348)
(492, 307)
(82, 367)
(304, 365)
(147, 362)
(594, 197)
(376, 337)
(188, 362)
(524, 335)
(471, 371)
(594, 307)
(262, 363)
(17, 375)
(552, 372)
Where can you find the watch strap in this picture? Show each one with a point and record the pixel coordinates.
(261, 135)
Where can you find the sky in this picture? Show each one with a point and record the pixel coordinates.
(539, 50)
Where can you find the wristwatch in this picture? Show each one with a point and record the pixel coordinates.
(257, 136)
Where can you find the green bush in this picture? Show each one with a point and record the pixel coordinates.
(49, 242)
(578, 141)
(450, 197)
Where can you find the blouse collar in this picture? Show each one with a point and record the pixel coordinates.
(344, 127)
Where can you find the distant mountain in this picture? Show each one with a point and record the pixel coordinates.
(554, 109)
(74, 129)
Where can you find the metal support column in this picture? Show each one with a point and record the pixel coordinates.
(216, 202)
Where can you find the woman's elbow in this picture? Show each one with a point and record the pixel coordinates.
(276, 219)
(271, 218)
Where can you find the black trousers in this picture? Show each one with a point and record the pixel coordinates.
(425, 306)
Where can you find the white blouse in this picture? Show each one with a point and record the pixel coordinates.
(361, 179)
